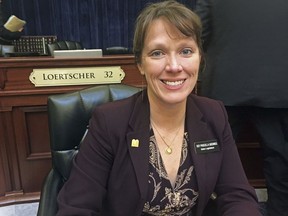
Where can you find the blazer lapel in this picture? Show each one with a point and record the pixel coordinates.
(138, 143)
(197, 131)
(140, 157)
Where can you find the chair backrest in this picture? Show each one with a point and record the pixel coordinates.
(68, 116)
(63, 45)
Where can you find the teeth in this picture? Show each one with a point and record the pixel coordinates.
(175, 83)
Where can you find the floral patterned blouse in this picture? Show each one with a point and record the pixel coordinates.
(163, 198)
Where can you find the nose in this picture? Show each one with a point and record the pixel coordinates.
(173, 64)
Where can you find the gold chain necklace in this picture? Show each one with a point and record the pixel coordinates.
(169, 149)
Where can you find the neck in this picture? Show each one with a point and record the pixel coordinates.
(167, 117)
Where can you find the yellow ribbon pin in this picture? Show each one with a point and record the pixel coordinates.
(135, 143)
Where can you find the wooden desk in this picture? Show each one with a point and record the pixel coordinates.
(24, 136)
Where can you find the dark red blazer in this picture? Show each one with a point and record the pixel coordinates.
(110, 177)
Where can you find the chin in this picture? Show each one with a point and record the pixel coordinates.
(175, 99)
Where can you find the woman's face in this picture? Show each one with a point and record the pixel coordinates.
(170, 62)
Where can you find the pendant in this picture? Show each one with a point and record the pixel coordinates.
(168, 150)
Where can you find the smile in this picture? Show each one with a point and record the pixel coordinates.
(173, 83)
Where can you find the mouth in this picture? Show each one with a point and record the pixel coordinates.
(173, 83)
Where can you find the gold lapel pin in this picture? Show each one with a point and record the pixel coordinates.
(135, 143)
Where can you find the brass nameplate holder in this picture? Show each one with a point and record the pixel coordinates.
(76, 76)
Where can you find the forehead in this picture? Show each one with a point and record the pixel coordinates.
(163, 26)
(160, 29)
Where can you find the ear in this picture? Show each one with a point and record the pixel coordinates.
(140, 69)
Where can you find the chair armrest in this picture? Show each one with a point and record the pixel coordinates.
(49, 193)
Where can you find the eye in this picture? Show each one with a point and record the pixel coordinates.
(187, 51)
(157, 53)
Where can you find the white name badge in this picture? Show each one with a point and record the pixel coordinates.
(76, 76)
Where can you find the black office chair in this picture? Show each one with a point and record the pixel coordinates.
(117, 50)
(68, 116)
(63, 45)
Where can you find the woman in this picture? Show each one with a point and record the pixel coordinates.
(163, 151)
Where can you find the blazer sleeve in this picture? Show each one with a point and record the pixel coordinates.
(84, 191)
(235, 196)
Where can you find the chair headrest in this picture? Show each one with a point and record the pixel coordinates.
(69, 114)
(64, 45)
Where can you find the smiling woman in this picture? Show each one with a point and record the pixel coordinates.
(174, 151)
(170, 63)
